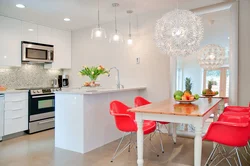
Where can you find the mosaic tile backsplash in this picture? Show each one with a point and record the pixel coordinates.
(27, 76)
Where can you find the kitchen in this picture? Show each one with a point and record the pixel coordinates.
(44, 50)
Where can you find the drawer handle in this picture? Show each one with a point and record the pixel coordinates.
(19, 117)
(17, 109)
(47, 121)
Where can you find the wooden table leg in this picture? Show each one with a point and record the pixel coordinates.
(198, 145)
(139, 141)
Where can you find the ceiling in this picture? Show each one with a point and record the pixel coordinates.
(83, 13)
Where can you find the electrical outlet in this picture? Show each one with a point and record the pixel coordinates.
(138, 60)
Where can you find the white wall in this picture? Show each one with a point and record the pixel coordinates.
(153, 71)
(192, 69)
(244, 52)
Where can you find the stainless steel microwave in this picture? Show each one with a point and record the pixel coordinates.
(37, 52)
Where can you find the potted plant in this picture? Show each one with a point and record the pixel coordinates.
(93, 73)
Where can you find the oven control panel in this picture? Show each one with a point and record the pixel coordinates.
(36, 92)
(43, 91)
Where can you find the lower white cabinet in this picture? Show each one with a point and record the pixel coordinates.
(15, 113)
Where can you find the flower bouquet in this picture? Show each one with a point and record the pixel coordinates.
(93, 73)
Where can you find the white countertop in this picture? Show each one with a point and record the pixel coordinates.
(93, 91)
(13, 91)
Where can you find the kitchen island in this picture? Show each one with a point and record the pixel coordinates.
(82, 119)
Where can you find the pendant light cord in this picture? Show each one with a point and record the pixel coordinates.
(115, 21)
(129, 25)
(98, 14)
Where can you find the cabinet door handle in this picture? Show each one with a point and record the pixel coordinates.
(19, 117)
(47, 121)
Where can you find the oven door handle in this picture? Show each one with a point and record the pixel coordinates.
(47, 121)
(35, 97)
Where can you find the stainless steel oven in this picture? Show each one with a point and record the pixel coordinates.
(41, 109)
(37, 52)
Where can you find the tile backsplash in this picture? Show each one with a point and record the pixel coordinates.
(27, 76)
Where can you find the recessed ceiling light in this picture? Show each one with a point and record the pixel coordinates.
(30, 30)
(20, 6)
(66, 19)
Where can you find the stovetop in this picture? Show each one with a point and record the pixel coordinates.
(41, 90)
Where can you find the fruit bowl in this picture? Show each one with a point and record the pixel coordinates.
(186, 101)
(211, 95)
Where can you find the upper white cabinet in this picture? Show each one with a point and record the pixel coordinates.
(62, 49)
(10, 43)
(13, 31)
(29, 32)
(44, 35)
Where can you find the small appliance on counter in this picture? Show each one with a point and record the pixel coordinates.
(55, 83)
(63, 81)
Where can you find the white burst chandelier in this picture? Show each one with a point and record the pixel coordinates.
(211, 56)
(179, 33)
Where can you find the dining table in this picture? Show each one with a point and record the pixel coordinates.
(170, 110)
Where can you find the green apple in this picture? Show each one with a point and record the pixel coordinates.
(177, 97)
(196, 96)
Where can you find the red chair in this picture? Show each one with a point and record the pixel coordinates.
(236, 109)
(125, 122)
(239, 111)
(140, 101)
(230, 131)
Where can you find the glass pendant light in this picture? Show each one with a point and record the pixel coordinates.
(179, 32)
(130, 40)
(98, 32)
(116, 37)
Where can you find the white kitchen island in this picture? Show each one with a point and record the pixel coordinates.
(82, 119)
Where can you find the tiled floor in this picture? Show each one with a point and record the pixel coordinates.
(38, 150)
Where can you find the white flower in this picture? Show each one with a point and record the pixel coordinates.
(93, 73)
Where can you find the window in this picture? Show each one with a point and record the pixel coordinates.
(220, 78)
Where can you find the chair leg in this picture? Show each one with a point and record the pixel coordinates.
(244, 157)
(238, 156)
(162, 149)
(152, 135)
(129, 147)
(212, 154)
(228, 162)
(236, 161)
(122, 149)
(246, 150)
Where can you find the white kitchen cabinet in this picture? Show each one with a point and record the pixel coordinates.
(10, 43)
(62, 49)
(44, 35)
(15, 113)
(29, 32)
(13, 31)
